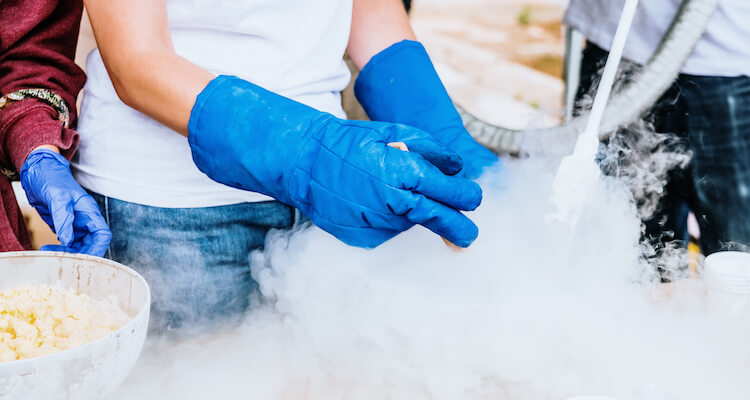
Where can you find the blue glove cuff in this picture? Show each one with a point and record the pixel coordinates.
(204, 98)
(37, 156)
(400, 85)
(231, 113)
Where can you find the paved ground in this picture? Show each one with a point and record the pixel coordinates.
(501, 59)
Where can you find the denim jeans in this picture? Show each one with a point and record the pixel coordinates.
(711, 117)
(196, 260)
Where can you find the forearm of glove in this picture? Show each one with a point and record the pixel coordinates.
(341, 174)
(400, 85)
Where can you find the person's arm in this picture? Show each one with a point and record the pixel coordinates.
(136, 46)
(38, 42)
(399, 84)
(376, 25)
(340, 174)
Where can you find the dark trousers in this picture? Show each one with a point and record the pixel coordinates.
(710, 117)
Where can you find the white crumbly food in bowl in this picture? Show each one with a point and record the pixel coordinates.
(41, 320)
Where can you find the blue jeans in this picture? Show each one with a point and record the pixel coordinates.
(197, 260)
(710, 116)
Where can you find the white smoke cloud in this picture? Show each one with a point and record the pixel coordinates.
(530, 311)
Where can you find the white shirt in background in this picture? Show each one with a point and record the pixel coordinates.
(291, 47)
(724, 49)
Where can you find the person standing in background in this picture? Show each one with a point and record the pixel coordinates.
(707, 108)
(204, 122)
(39, 83)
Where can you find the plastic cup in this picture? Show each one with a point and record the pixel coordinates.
(727, 276)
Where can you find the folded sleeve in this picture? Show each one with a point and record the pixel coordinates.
(29, 124)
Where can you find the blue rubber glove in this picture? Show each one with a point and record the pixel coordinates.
(64, 205)
(341, 174)
(400, 85)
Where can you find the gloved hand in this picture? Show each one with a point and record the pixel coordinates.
(400, 85)
(64, 205)
(341, 174)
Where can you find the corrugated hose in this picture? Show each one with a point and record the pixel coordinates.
(627, 104)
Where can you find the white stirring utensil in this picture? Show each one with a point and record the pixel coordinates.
(578, 172)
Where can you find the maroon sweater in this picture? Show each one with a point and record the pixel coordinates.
(37, 48)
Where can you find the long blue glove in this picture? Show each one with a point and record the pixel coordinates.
(400, 85)
(64, 205)
(341, 174)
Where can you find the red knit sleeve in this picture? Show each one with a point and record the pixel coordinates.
(37, 50)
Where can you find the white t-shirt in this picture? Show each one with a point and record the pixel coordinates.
(292, 47)
(724, 49)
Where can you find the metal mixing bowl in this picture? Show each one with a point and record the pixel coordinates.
(92, 370)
